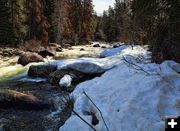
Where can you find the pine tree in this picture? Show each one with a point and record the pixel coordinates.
(6, 28)
(76, 20)
(51, 18)
(18, 19)
(63, 22)
(87, 26)
(37, 22)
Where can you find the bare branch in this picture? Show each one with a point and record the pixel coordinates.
(135, 66)
(97, 108)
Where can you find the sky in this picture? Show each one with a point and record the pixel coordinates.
(101, 5)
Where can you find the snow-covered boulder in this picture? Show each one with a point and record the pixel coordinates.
(65, 81)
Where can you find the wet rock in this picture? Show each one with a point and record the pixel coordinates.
(82, 49)
(54, 45)
(66, 46)
(46, 52)
(116, 45)
(69, 77)
(103, 47)
(41, 70)
(59, 49)
(96, 45)
(56, 76)
(85, 67)
(27, 58)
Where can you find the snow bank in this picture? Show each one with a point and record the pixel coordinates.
(129, 99)
(111, 52)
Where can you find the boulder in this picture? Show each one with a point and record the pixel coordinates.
(116, 45)
(54, 45)
(86, 67)
(69, 78)
(66, 46)
(96, 45)
(57, 75)
(103, 47)
(41, 70)
(59, 49)
(46, 52)
(27, 58)
(82, 49)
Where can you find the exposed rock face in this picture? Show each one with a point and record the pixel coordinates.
(41, 70)
(27, 58)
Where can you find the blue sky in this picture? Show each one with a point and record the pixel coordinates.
(100, 5)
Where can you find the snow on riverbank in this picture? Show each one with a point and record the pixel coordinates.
(130, 97)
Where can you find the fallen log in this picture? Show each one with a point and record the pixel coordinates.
(10, 99)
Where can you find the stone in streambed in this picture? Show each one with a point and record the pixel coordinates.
(27, 58)
(46, 52)
(86, 67)
(57, 75)
(41, 70)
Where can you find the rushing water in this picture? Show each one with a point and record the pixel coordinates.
(14, 76)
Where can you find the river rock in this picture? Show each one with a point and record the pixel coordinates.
(27, 58)
(41, 70)
(103, 47)
(46, 52)
(82, 49)
(116, 45)
(54, 45)
(96, 45)
(57, 75)
(86, 67)
(59, 49)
